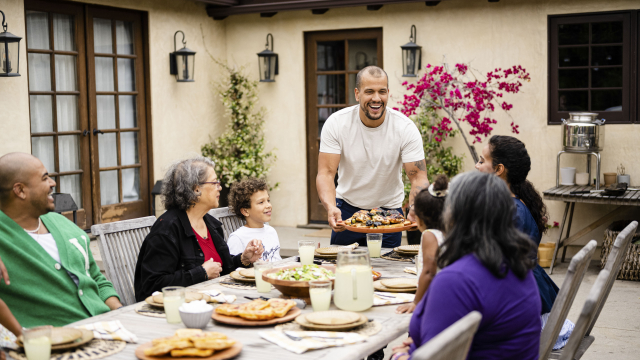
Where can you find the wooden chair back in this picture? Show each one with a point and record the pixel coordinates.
(564, 300)
(614, 262)
(453, 343)
(230, 221)
(570, 351)
(120, 244)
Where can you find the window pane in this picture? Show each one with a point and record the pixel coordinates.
(129, 148)
(63, 32)
(42, 148)
(573, 56)
(606, 55)
(69, 153)
(362, 53)
(331, 55)
(41, 113)
(106, 109)
(130, 184)
(70, 184)
(331, 89)
(606, 32)
(323, 115)
(606, 100)
(573, 100)
(127, 108)
(37, 30)
(67, 109)
(39, 72)
(572, 79)
(126, 75)
(124, 37)
(65, 73)
(102, 41)
(606, 77)
(108, 150)
(351, 89)
(573, 34)
(109, 191)
(104, 74)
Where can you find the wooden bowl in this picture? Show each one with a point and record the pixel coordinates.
(295, 289)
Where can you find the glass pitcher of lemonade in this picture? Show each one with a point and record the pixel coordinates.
(354, 281)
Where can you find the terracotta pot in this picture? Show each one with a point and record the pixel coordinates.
(610, 178)
(545, 254)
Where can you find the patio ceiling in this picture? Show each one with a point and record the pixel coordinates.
(220, 9)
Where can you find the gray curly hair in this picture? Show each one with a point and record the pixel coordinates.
(180, 181)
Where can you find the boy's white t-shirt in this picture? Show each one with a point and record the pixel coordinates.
(239, 239)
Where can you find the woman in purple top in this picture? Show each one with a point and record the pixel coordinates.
(485, 267)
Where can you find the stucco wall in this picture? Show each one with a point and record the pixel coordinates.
(488, 35)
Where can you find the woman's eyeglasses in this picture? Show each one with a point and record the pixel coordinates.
(217, 183)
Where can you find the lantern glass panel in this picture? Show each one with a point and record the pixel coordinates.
(185, 66)
(9, 57)
(409, 61)
(267, 68)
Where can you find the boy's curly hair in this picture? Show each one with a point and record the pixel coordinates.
(240, 194)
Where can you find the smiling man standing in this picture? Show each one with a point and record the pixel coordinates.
(368, 144)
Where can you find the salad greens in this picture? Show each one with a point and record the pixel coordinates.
(304, 273)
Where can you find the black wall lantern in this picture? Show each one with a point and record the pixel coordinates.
(268, 62)
(411, 55)
(9, 52)
(181, 62)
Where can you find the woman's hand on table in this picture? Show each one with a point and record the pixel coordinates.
(212, 268)
(404, 348)
(253, 251)
(406, 308)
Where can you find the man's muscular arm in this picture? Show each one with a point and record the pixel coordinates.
(417, 173)
(327, 167)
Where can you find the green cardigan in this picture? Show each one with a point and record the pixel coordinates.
(41, 291)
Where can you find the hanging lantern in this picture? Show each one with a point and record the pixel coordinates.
(9, 52)
(181, 62)
(268, 62)
(411, 55)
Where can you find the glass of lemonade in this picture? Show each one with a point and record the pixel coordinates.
(259, 267)
(306, 249)
(37, 342)
(173, 297)
(374, 243)
(320, 293)
(418, 260)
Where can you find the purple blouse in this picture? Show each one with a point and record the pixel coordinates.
(510, 308)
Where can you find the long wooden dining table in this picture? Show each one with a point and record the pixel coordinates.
(254, 347)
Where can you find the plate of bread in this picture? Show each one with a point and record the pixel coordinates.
(378, 220)
(189, 296)
(190, 344)
(257, 312)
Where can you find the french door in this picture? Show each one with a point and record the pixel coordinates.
(87, 106)
(333, 59)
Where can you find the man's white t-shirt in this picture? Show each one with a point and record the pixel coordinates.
(239, 239)
(370, 170)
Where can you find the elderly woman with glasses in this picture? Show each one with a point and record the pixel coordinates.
(186, 245)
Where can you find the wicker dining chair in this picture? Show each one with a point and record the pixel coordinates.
(452, 343)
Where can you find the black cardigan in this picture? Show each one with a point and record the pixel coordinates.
(171, 256)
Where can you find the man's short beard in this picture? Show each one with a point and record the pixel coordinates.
(365, 109)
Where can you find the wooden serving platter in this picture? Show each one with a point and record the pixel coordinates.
(238, 321)
(217, 355)
(384, 229)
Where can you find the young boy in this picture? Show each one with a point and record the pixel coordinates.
(249, 199)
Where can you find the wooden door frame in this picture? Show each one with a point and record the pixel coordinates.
(310, 39)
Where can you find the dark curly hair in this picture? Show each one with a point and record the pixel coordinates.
(511, 153)
(240, 194)
(428, 207)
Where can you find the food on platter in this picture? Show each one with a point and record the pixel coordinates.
(303, 273)
(377, 218)
(189, 342)
(258, 310)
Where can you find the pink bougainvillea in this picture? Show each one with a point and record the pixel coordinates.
(463, 97)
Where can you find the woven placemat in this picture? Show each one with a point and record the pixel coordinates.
(96, 349)
(392, 255)
(228, 282)
(148, 310)
(367, 329)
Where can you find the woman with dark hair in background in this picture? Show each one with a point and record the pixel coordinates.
(507, 157)
(486, 267)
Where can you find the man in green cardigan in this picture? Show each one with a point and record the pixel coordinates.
(54, 279)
